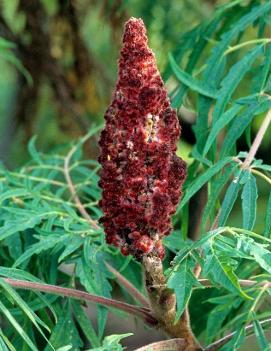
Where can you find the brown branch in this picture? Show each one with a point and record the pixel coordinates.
(257, 141)
(165, 345)
(128, 286)
(219, 343)
(75, 197)
(163, 303)
(140, 312)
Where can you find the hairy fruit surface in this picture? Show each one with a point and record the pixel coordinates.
(141, 176)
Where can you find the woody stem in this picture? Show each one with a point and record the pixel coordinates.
(163, 303)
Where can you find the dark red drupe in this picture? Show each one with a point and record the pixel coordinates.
(141, 175)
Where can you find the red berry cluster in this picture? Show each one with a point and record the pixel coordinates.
(141, 175)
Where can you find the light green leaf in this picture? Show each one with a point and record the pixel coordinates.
(182, 282)
(221, 272)
(85, 324)
(112, 342)
(42, 245)
(17, 326)
(25, 308)
(258, 252)
(13, 193)
(229, 201)
(249, 202)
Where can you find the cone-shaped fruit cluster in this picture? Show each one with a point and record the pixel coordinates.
(141, 175)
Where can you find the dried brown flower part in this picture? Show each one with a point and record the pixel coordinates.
(141, 175)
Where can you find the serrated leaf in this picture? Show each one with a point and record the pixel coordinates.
(85, 324)
(257, 251)
(65, 332)
(182, 282)
(249, 202)
(112, 342)
(42, 245)
(221, 272)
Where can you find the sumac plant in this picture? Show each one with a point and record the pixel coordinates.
(194, 267)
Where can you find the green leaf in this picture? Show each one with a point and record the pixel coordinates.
(42, 245)
(202, 179)
(240, 123)
(5, 340)
(17, 327)
(267, 229)
(219, 125)
(216, 187)
(65, 332)
(13, 193)
(24, 307)
(215, 321)
(112, 343)
(189, 81)
(229, 201)
(85, 324)
(261, 77)
(65, 348)
(257, 251)
(233, 78)
(214, 62)
(249, 202)
(221, 272)
(33, 151)
(182, 281)
(183, 254)
(263, 343)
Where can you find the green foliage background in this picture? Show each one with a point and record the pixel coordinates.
(216, 62)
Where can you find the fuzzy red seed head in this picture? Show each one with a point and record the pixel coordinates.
(141, 175)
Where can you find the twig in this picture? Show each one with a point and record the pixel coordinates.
(165, 345)
(242, 282)
(128, 286)
(219, 343)
(260, 174)
(141, 312)
(75, 197)
(257, 141)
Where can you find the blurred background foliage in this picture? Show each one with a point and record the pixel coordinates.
(58, 63)
(58, 70)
